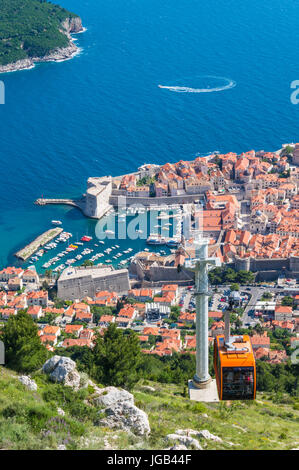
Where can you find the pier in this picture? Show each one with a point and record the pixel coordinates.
(68, 202)
(40, 241)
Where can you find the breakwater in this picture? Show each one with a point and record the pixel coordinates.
(78, 203)
(40, 241)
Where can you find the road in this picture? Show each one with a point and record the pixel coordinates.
(256, 293)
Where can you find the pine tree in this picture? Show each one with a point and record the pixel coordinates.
(24, 351)
(117, 356)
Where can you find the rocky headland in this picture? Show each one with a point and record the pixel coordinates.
(69, 26)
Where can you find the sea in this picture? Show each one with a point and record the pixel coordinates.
(225, 69)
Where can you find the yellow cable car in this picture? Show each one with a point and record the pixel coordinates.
(235, 369)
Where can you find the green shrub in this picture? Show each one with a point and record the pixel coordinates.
(82, 411)
(35, 415)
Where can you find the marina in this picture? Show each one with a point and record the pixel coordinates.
(76, 242)
(40, 241)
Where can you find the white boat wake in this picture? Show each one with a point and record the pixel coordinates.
(184, 89)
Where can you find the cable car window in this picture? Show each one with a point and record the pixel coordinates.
(218, 365)
(238, 383)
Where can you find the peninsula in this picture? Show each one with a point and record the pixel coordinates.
(32, 31)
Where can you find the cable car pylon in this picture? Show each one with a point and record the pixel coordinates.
(202, 387)
(234, 361)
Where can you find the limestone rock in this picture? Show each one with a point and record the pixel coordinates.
(73, 25)
(148, 387)
(110, 396)
(61, 447)
(29, 383)
(73, 380)
(120, 411)
(63, 370)
(23, 64)
(50, 364)
(177, 447)
(126, 416)
(184, 440)
(186, 432)
(207, 435)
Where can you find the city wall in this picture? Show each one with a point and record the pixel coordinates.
(271, 268)
(155, 201)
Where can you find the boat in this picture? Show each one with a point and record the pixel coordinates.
(154, 240)
(86, 238)
(172, 243)
(56, 222)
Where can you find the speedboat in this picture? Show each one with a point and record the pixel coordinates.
(86, 238)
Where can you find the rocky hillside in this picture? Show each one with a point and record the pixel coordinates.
(58, 407)
(32, 31)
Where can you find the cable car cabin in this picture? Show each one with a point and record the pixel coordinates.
(234, 365)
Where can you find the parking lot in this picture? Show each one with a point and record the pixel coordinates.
(186, 299)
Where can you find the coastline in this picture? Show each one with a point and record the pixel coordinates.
(57, 55)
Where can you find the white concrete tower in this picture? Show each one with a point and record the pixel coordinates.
(199, 265)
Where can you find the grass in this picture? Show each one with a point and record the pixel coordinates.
(29, 420)
(261, 424)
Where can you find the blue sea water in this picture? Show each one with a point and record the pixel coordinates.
(103, 112)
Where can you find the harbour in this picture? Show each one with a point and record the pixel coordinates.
(75, 241)
(40, 241)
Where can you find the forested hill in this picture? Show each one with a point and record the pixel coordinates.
(31, 28)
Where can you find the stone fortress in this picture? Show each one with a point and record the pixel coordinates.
(103, 193)
(97, 197)
(79, 282)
